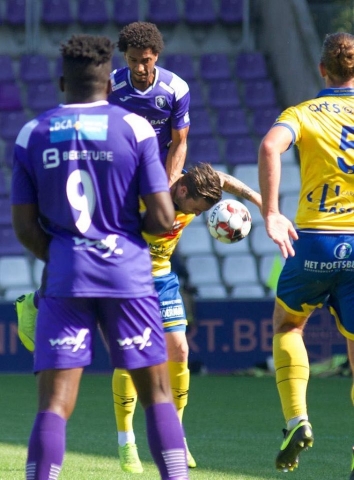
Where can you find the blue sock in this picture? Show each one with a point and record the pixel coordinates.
(46, 447)
(165, 437)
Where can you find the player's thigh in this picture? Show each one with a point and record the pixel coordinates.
(285, 321)
(341, 303)
(65, 333)
(133, 331)
(177, 345)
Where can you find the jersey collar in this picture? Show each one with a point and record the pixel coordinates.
(336, 92)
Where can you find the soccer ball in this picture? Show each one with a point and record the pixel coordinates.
(229, 221)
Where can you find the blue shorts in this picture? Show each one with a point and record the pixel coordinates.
(320, 274)
(171, 304)
(66, 329)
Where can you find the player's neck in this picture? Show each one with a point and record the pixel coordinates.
(144, 86)
(74, 98)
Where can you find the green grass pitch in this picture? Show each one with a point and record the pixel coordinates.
(233, 425)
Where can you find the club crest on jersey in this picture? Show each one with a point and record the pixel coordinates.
(342, 251)
(160, 101)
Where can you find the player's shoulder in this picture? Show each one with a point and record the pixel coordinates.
(119, 78)
(171, 82)
(139, 125)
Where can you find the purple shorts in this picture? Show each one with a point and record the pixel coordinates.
(66, 329)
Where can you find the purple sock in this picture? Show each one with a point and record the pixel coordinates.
(46, 447)
(165, 437)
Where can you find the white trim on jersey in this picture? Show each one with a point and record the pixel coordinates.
(25, 133)
(141, 127)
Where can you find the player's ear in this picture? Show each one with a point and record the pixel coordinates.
(62, 83)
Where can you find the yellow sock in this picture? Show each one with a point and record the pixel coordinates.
(179, 379)
(124, 399)
(352, 394)
(291, 373)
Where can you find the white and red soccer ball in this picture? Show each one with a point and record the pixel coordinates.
(229, 221)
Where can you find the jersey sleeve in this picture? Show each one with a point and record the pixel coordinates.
(290, 118)
(180, 111)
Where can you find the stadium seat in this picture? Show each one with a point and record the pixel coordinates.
(195, 239)
(247, 174)
(196, 94)
(266, 264)
(211, 292)
(125, 11)
(200, 122)
(214, 66)
(9, 245)
(14, 272)
(232, 122)
(163, 12)
(182, 64)
(239, 269)
(34, 68)
(255, 213)
(240, 150)
(223, 94)
(200, 12)
(203, 149)
(11, 123)
(42, 97)
(203, 270)
(259, 93)
(231, 11)
(290, 179)
(222, 249)
(288, 205)
(250, 66)
(118, 62)
(10, 97)
(8, 155)
(260, 243)
(92, 13)
(252, 290)
(263, 119)
(15, 12)
(56, 13)
(7, 73)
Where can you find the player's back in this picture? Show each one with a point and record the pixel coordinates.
(89, 164)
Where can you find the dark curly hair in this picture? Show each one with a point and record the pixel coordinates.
(338, 56)
(202, 181)
(141, 35)
(87, 62)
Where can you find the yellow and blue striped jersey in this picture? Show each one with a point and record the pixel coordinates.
(323, 131)
(162, 246)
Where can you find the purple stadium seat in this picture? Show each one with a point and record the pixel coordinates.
(7, 73)
(42, 96)
(203, 149)
(34, 68)
(231, 11)
(118, 62)
(195, 90)
(10, 97)
(181, 64)
(5, 212)
(126, 11)
(251, 66)
(15, 12)
(8, 154)
(214, 66)
(200, 122)
(92, 12)
(200, 12)
(240, 150)
(163, 12)
(232, 121)
(259, 93)
(56, 12)
(11, 123)
(223, 94)
(4, 185)
(263, 119)
(9, 245)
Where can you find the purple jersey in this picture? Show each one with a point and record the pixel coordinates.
(165, 104)
(85, 166)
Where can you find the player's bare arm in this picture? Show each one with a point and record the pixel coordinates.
(28, 230)
(177, 154)
(231, 185)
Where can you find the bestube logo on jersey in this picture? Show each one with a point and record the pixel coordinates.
(141, 340)
(76, 343)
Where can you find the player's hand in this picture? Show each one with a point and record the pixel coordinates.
(282, 232)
